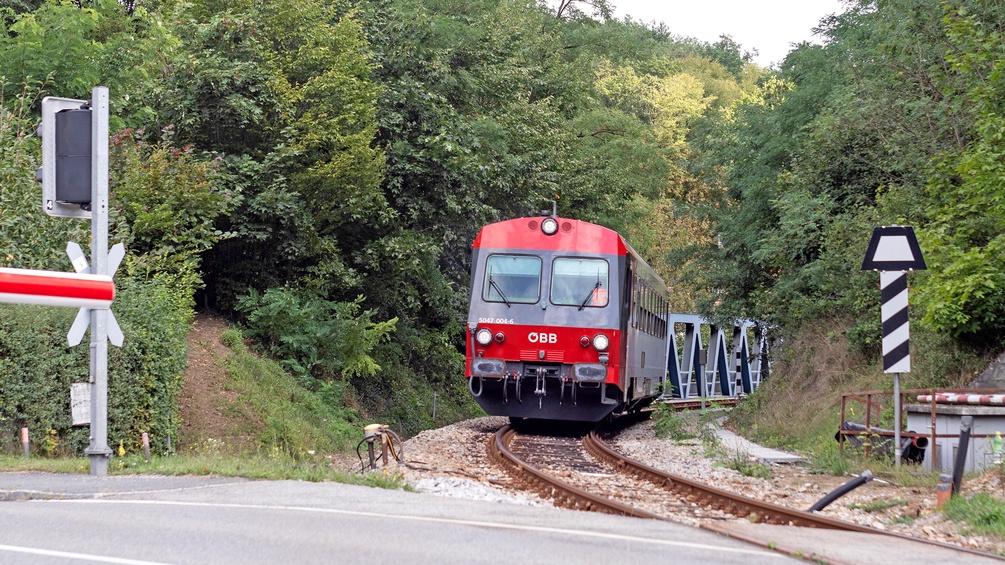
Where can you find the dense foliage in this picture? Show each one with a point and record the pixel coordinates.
(896, 120)
(318, 170)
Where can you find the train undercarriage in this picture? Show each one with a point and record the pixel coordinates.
(548, 392)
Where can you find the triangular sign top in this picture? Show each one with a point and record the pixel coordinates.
(893, 248)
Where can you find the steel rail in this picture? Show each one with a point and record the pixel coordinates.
(564, 494)
(732, 503)
(742, 506)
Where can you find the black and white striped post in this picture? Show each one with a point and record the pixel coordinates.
(894, 250)
(896, 330)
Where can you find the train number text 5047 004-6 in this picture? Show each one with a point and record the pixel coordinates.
(494, 321)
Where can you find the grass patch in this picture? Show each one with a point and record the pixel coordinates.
(880, 505)
(669, 423)
(685, 425)
(57, 465)
(272, 468)
(297, 420)
(983, 513)
(742, 463)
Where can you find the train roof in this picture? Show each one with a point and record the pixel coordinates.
(572, 235)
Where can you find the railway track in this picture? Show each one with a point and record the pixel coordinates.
(550, 465)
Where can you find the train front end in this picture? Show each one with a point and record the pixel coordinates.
(544, 336)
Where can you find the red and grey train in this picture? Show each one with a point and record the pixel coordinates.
(566, 322)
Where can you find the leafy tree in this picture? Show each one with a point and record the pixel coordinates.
(574, 8)
(965, 295)
(166, 203)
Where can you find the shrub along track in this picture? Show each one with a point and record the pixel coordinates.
(582, 472)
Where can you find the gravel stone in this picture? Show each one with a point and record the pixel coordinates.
(452, 461)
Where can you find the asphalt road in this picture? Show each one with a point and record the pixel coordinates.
(50, 519)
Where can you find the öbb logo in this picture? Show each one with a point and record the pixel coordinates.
(542, 337)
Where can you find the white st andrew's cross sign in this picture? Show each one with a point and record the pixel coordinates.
(894, 250)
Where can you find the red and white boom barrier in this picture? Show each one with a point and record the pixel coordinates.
(55, 288)
(962, 398)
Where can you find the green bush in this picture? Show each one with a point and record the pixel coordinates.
(37, 368)
(315, 338)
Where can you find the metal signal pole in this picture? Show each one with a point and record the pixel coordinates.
(98, 450)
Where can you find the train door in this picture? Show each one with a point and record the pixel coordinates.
(629, 325)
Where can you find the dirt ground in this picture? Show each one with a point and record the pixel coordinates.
(206, 397)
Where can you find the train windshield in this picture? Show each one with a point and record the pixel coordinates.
(512, 279)
(579, 282)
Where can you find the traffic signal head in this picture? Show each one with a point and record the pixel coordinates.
(73, 156)
(66, 157)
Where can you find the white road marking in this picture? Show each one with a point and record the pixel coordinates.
(78, 556)
(496, 525)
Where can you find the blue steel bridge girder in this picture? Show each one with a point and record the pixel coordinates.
(730, 370)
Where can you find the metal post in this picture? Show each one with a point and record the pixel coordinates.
(868, 424)
(966, 426)
(897, 448)
(98, 450)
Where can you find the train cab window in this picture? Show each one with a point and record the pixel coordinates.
(579, 282)
(512, 279)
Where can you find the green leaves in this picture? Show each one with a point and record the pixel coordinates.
(166, 203)
(315, 338)
(895, 120)
(965, 246)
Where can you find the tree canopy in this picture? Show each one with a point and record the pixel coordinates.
(332, 161)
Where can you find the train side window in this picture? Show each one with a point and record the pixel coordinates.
(636, 302)
(646, 296)
(576, 281)
(512, 279)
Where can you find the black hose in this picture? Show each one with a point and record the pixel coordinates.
(966, 423)
(471, 385)
(842, 490)
(362, 466)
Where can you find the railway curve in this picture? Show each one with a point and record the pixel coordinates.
(728, 505)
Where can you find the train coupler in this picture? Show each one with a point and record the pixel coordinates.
(539, 387)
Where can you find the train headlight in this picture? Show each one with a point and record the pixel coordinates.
(549, 226)
(500, 337)
(601, 342)
(483, 336)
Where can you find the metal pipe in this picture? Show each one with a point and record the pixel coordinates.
(842, 490)
(897, 447)
(966, 423)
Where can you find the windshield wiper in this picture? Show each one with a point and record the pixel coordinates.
(495, 285)
(589, 296)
